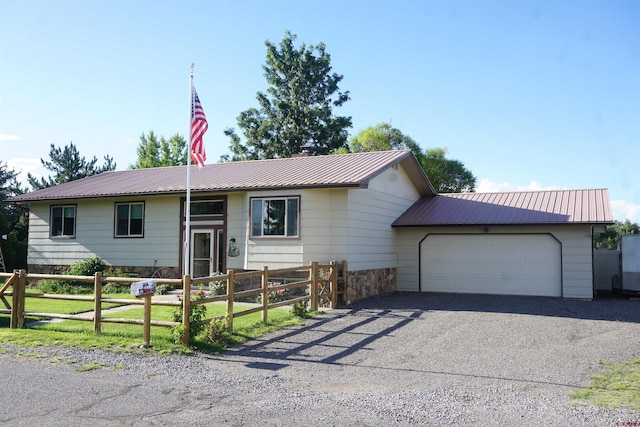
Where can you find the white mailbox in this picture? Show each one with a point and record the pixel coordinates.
(140, 289)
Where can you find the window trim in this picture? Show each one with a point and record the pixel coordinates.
(272, 236)
(205, 217)
(115, 220)
(75, 221)
(196, 218)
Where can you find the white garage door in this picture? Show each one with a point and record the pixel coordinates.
(510, 264)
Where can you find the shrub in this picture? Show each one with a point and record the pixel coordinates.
(115, 288)
(196, 315)
(300, 310)
(217, 332)
(276, 295)
(163, 289)
(87, 267)
(218, 287)
(84, 267)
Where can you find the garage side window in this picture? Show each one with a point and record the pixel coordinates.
(63, 221)
(275, 217)
(129, 221)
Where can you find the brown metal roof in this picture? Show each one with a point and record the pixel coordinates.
(513, 208)
(346, 170)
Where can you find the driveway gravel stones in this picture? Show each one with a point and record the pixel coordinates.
(399, 360)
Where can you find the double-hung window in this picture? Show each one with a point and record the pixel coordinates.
(275, 217)
(129, 221)
(63, 221)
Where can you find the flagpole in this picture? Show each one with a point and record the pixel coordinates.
(187, 240)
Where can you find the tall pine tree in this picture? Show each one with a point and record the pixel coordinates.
(67, 165)
(296, 112)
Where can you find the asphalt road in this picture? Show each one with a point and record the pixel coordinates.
(401, 360)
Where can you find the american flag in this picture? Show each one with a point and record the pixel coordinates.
(199, 126)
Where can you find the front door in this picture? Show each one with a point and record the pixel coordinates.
(202, 253)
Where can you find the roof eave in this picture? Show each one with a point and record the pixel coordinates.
(183, 191)
(490, 224)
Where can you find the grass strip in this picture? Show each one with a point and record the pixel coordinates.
(128, 337)
(617, 387)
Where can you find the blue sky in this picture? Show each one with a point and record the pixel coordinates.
(527, 94)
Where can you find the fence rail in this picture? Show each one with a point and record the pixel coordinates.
(318, 284)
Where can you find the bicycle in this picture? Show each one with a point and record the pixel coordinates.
(163, 272)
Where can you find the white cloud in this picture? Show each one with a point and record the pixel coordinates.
(9, 137)
(623, 209)
(486, 186)
(26, 165)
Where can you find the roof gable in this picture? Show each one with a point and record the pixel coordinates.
(345, 170)
(511, 208)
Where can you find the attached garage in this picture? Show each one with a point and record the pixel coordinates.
(537, 243)
(510, 264)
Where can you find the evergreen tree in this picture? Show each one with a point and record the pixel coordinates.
(67, 165)
(296, 112)
(13, 221)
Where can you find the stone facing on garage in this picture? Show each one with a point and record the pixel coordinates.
(368, 283)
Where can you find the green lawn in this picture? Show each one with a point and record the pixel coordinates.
(618, 386)
(125, 337)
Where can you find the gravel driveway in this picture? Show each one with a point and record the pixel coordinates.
(400, 360)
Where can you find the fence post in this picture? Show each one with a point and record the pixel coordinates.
(22, 281)
(313, 290)
(229, 314)
(97, 302)
(15, 306)
(186, 308)
(333, 287)
(344, 280)
(265, 293)
(146, 331)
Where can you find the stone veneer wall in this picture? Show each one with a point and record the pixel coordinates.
(57, 269)
(369, 283)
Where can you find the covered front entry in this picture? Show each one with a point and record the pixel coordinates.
(509, 264)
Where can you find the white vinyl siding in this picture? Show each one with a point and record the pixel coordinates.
(95, 235)
(274, 252)
(371, 211)
(352, 224)
(237, 219)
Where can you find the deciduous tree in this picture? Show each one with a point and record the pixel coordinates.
(383, 137)
(446, 175)
(613, 233)
(154, 153)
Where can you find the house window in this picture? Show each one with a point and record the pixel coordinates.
(129, 219)
(275, 217)
(207, 208)
(63, 221)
